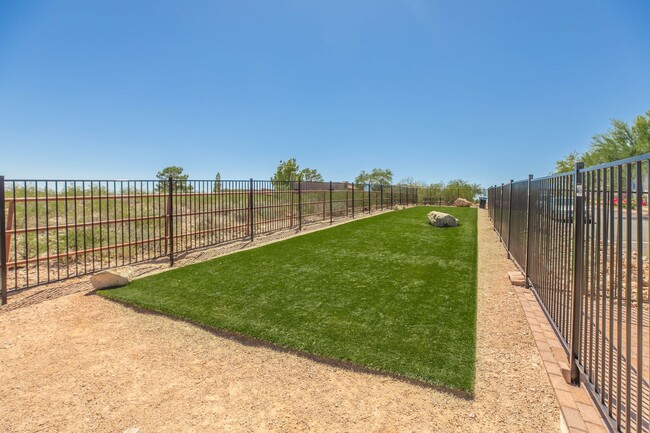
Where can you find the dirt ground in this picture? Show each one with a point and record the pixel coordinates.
(80, 363)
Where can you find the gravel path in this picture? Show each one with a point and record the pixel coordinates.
(82, 363)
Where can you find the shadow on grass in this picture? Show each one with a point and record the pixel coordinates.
(255, 342)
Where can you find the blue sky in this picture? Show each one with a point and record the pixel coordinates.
(436, 90)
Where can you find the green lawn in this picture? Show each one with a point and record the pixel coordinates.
(390, 292)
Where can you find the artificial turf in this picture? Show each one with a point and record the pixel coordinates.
(390, 292)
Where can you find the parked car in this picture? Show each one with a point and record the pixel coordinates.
(562, 210)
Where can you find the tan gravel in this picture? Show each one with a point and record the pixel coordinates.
(81, 363)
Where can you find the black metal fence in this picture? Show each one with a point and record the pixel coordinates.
(581, 239)
(51, 230)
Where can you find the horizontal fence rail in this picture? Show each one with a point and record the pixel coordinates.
(581, 238)
(51, 230)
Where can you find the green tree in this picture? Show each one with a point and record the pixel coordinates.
(409, 181)
(619, 142)
(289, 171)
(362, 179)
(176, 173)
(217, 183)
(310, 175)
(460, 188)
(380, 176)
(568, 163)
(376, 178)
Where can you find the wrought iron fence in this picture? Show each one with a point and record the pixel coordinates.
(57, 229)
(581, 239)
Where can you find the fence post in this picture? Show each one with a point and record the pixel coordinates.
(526, 282)
(299, 204)
(509, 216)
(578, 264)
(170, 216)
(381, 189)
(400, 194)
(391, 196)
(250, 210)
(3, 243)
(331, 202)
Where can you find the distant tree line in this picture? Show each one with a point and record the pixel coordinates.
(289, 171)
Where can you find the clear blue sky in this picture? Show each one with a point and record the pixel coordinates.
(436, 90)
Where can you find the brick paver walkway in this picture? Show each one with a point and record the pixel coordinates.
(579, 414)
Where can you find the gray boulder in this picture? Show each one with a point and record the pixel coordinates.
(461, 202)
(112, 278)
(399, 207)
(439, 219)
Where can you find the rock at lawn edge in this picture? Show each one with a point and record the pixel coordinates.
(399, 207)
(439, 219)
(113, 278)
(461, 202)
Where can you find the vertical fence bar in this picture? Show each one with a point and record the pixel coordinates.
(299, 205)
(597, 222)
(352, 200)
(501, 215)
(628, 295)
(619, 294)
(509, 216)
(170, 216)
(250, 210)
(578, 262)
(9, 224)
(381, 191)
(291, 206)
(492, 205)
(369, 200)
(331, 217)
(526, 269)
(605, 269)
(3, 243)
(639, 294)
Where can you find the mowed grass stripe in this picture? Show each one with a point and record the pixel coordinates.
(390, 292)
